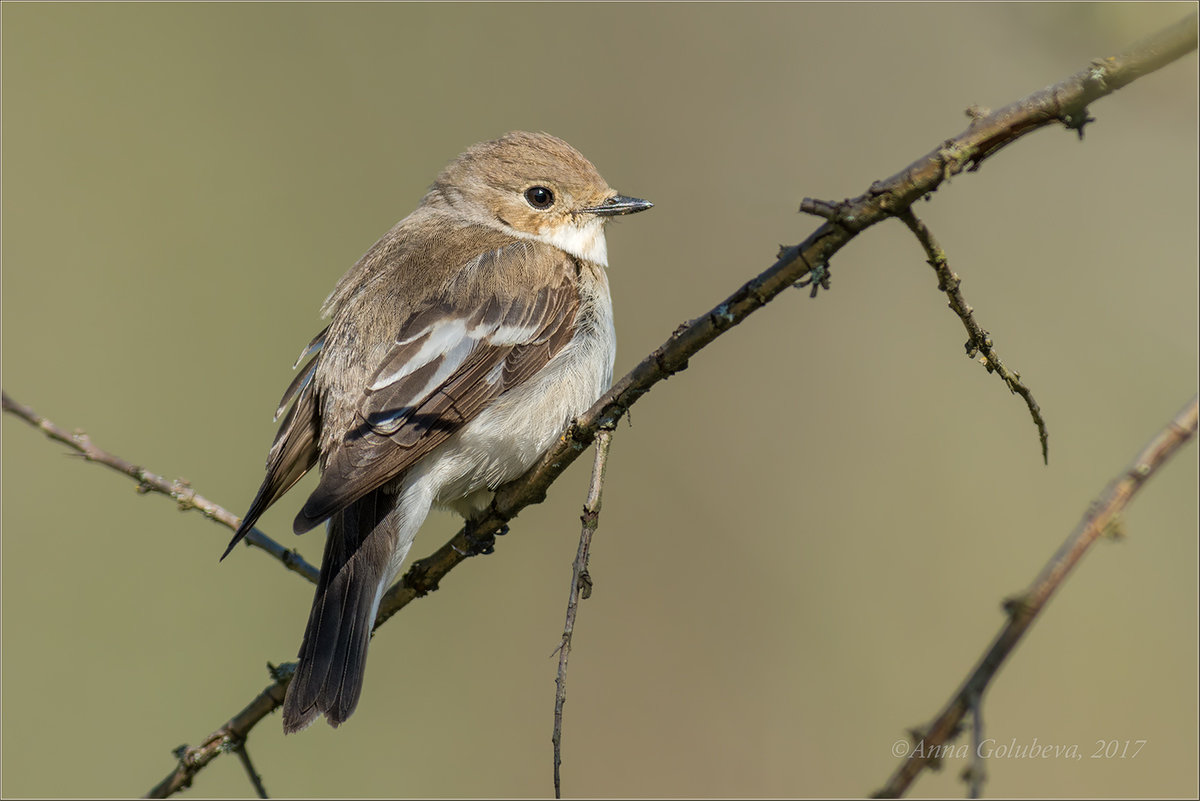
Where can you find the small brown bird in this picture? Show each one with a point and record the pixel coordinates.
(458, 350)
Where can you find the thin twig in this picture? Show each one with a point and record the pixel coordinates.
(1065, 102)
(1024, 609)
(976, 772)
(581, 587)
(255, 779)
(193, 759)
(1062, 102)
(979, 342)
(181, 491)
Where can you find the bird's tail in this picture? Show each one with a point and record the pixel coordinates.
(359, 547)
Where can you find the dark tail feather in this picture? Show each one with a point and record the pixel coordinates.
(333, 657)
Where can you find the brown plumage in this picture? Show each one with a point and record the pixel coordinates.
(459, 347)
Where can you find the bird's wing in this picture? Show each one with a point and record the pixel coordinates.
(449, 361)
(294, 450)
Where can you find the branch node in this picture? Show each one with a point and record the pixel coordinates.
(821, 208)
(952, 156)
(977, 113)
(817, 277)
(1077, 120)
(668, 369)
(979, 342)
(923, 750)
(184, 495)
(1017, 606)
(722, 318)
(281, 672)
(1098, 73)
(417, 576)
(1114, 530)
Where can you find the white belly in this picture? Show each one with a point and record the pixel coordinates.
(513, 432)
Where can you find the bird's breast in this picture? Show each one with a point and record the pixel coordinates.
(523, 423)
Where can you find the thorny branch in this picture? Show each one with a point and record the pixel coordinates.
(230, 737)
(976, 772)
(581, 587)
(1022, 610)
(979, 343)
(1065, 102)
(259, 789)
(181, 491)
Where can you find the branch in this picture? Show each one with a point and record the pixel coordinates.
(581, 586)
(255, 780)
(1064, 102)
(978, 342)
(1101, 517)
(181, 491)
(230, 737)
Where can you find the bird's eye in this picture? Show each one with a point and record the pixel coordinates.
(539, 197)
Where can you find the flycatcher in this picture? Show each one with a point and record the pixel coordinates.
(458, 349)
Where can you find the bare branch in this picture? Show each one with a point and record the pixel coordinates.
(976, 772)
(180, 490)
(1022, 610)
(229, 737)
(1063, 102)
(978, 342)
(255, 780)
(581, 587)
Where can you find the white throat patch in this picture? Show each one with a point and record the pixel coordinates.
(585, 240)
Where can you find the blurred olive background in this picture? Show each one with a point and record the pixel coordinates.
(806, 536)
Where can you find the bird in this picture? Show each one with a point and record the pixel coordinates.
(459, 348)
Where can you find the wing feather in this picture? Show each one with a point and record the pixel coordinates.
(445, 367)
(293, 454)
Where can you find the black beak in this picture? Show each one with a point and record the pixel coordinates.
(619, 204)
